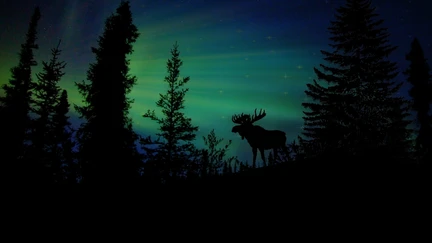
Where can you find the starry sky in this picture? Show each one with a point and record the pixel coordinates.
(239, 54)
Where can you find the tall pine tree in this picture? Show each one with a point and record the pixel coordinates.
(46, 98)
(107, 151)
(16, 103)
(176, 130)
(65, 168)
(356, 109)
(419, 76)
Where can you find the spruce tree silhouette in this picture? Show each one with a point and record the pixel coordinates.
(213, 158)
(174, 145)
(46, 97)
(107, 151)
(418, 75)
(65, 169)
(16, 103)
(357, 110)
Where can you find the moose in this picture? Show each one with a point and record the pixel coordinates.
(258, 137)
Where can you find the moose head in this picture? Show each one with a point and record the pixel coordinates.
(258, 137)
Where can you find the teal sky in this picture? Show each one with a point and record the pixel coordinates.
(240, 55)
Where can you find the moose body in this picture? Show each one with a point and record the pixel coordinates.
(258, 137)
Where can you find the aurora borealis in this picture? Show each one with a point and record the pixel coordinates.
(239, 54)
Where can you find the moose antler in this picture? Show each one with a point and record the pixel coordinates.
(260, 115)
(241, 119)
(247, 119)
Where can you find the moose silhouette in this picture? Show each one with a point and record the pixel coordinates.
(258, 137)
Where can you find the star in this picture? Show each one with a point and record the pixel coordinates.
(299, 67)
(247, 76)
(220, 91)
(285, 76)
(285, 93)
(269, 37)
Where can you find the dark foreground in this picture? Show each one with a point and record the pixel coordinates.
(293, 177)
(301, 189)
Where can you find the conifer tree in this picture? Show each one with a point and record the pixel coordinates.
(356, 109)
(107, 150)
(65, 168)
(176, 130)
(46, 98)
(213, 157)
(419, 76)
(16, 103)
(225, 170)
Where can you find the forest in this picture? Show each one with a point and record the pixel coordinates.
(357, 128)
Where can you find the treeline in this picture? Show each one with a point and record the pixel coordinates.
(354, 112)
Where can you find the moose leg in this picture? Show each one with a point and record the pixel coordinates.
(263, 156)
(274, 155)
(254, 151)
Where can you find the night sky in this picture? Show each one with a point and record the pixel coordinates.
(239, 54)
